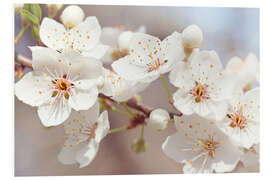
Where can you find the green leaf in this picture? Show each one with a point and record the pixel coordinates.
(36, 10)
(29, 17)
(27, 7)
(35, 32)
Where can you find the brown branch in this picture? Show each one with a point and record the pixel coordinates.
(132, 103)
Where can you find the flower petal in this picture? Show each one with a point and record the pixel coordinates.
(109, 36)
(54, 112)
(67, 155)
(33, 89)
(103, 126)
(173, 51)
(83, 99)
(97, 52)
(86, 35)
(53, 34)
(87, 154)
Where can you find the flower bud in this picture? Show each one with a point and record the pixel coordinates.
(139, 145)
(72, 16)
(124, 39)
(159, 119)
(192, 37)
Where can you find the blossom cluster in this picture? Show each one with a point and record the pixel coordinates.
(219, 122)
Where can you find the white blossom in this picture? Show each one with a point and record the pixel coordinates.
(159, 119)
(83, 38)
(244, 72)
(192, 37)
(201, 146)
(242, 120)
(84, 131)
(72, 16)
(149, 57)
(119, 41)
(59, 82)
(119, 88)
(203, 88)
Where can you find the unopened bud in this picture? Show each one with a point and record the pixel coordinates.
(72, 16)
(139, 145)
(159, 119)
(192, 37)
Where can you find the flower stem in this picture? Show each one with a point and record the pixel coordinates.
(17, 38)
(114, 109)
(142, 132)
(165, 86)
(122, 128)
(128, 109)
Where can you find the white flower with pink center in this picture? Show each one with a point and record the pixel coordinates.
(203, 88)
(119, 88)
(83, 132)
(242, 122)
(84, 38)
(59, 82)
(149, 57)
(201, 146)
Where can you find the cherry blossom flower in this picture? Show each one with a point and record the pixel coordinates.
(119, 41)
(119, 88)
(72, 16)
(84, 131)
(201, 146)
(83, 38)
(149, 57)
(242, 121)
(245, 72)
(203, 88)
(59, 82)
(250, 157)
(159, 119)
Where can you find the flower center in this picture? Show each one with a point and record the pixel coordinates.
(210, 146)
(117, 54)
(199, 92)
(155, 64)
(237, 120)
(62, 87)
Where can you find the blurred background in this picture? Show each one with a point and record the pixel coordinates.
(228, 31)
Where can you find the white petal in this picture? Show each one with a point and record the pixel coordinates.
(81, 67)
(54, 111)
(67, 155)
(83, 99)
(33, 89)
(252, 109)
(86, 35)
(133, 70)
(52, 34)
(226, 158)
(48, 61)
(109, 36)
(183, 102)
(124, 39)
(97, 52)
(172, 50)
(87, 154)
(141, 29)
(103, 126)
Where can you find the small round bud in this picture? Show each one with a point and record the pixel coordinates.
(159, 119)
(72, 16)
(139, 145)
(124, 39)
(192, 37)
